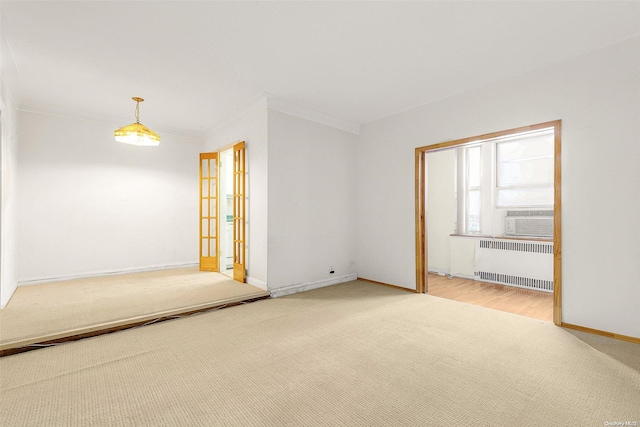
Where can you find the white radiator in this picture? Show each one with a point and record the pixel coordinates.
(525, 264)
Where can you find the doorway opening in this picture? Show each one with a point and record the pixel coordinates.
(503, 208)
(223, 206)
(226, 212)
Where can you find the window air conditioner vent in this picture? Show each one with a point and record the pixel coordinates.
(532, 213)
(529, 223)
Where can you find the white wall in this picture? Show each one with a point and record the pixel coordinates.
(311, 201)
(8, 207)
(597, 96)
(300, 196)
(250, 126)
(88, 205)
(441, 210)
(463, 256)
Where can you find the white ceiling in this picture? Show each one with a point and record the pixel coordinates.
(196, 63)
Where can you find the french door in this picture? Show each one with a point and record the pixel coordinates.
(209, 206)
(239, 208)
(209, 212)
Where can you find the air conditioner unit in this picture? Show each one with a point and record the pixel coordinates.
(529, 223)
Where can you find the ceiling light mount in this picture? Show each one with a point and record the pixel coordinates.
(137, 133)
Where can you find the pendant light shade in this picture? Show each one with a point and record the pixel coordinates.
(137, 133)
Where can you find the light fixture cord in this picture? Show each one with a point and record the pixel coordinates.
(137, 111)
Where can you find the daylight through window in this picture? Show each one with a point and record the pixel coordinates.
(513, 172)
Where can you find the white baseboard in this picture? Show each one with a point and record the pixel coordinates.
(7, 294)
(301, 287)
(106, 273)
(257, 283)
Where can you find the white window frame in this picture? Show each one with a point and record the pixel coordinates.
(469, 188)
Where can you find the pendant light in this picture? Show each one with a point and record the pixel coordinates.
(137, 133)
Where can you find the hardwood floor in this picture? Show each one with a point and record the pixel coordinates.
(538, 305)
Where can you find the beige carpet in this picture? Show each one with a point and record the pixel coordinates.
(354, 354)
(57, 309)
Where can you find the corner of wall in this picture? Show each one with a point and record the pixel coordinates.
(249, 124)
(293, 289)
(8, 157)
(287, 107)
(258, 103)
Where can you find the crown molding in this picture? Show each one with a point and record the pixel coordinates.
(270, 102)
(256, 104)
(288, 107)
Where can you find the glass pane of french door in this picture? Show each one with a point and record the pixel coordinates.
(208, 211)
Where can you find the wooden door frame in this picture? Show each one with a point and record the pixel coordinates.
(421, 197)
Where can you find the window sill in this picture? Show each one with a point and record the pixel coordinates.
(484, 236)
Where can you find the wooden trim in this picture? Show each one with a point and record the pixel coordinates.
(229, 146)
(421, 194)
(421, 236)
(239, 213)
(200, 180)
(487, 136)
(362, 279)
(599, 332)
(557, 224)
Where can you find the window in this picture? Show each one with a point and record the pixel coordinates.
(469, 189)
(524, 170)
(515, 171)
(473, 188)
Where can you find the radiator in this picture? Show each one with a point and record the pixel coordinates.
(524, 264)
